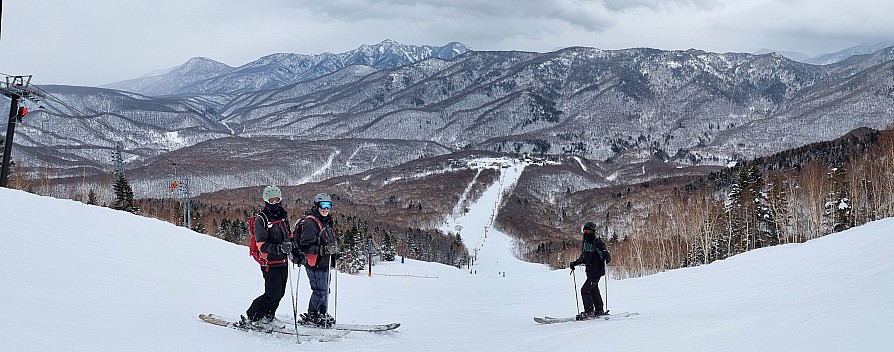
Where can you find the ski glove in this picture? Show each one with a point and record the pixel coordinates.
(572, 265)
(330, 249)
(298, 258)
(285, 247)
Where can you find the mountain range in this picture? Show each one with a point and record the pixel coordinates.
(202, 75)
(830, 58)
(383, 105)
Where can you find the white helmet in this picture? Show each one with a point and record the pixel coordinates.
(271, 192)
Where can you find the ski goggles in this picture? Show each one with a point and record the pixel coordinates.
(274, 200)
(325, 205)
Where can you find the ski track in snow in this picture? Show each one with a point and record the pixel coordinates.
(356, 151)
(322, 169)
(232, 132)
(462, 199)
(581, 163)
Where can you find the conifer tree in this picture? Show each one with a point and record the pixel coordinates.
(696, 254)
(736, 227)
(199, 226)
(389, 252)
(765, 231)
(124, 195)
(123, 191)
(223, 229)
(354, 257)
(91, 197)
(239, 231)
(838, 212)
(232, 231)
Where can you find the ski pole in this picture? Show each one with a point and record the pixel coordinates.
(294, 300)
(335, 303)
(329, 281)
(606, 290)
(576, 299)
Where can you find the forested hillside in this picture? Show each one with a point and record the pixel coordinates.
(792, 196)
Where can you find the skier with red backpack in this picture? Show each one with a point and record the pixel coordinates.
(270, 245)
(318, 249)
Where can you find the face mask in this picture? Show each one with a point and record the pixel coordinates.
(273, 207)
(589, 237)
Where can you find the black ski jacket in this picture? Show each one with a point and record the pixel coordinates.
(269, 234)
(311, 239)
(594, 255)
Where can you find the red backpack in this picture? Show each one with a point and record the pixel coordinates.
(311, 257)
(253, 249)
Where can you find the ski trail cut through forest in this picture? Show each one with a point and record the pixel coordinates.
(462, 199)
(491, 250)
(322, 168)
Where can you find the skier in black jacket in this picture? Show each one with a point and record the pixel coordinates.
(594, 255)
(317, 249)
(271, 229)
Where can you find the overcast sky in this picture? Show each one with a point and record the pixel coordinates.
(94, 42)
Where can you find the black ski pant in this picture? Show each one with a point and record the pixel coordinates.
(275, 278)
(591, 296)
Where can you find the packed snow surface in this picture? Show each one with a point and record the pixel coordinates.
(84, 278)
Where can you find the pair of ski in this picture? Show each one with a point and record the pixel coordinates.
(307, 332)
(551, 320)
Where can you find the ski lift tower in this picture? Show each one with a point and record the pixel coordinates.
(18, 89)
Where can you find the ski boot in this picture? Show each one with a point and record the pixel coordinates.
(318, 319)
(585, 316)
(326, 320)
(274, 322)
(257, 325)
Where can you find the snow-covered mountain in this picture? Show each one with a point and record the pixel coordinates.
(793, 55)
(166, 81)
(830, 58)
(862, 49)
(623, 107)
(95, 279)
(205, 76)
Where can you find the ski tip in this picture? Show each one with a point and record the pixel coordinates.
(541, 320)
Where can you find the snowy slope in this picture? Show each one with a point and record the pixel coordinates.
(83, 278)
(490, 248)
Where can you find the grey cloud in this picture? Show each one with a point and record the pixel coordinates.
(656, 5)
(589, 15)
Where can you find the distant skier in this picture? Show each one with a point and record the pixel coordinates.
(594, 255)
(316, 242)
(273, 240)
